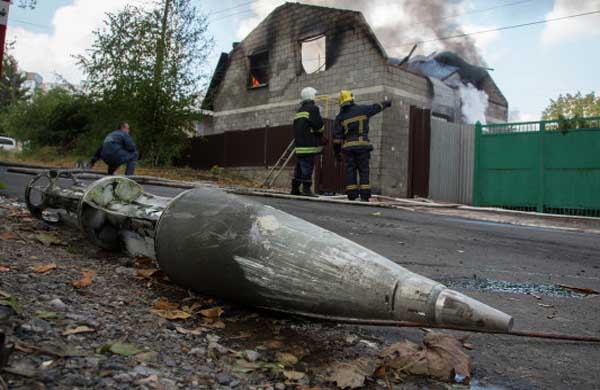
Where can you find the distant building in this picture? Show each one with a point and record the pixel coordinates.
(33, 81)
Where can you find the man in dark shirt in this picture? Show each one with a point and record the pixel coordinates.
(117, 149)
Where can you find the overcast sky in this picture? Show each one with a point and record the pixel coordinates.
(531, 64)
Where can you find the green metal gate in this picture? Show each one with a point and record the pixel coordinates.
(548, 166)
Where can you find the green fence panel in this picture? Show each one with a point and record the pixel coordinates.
(545, 166)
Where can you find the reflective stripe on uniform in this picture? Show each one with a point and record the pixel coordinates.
(317, 131)
(352, 187)
(361, 121)
(308, 149)
(338, 141)
(356, 143)
(302, 114)
(365, 186)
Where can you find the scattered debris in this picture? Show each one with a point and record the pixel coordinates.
(213, 312)
(77, 330)
(580, 290)
(85, 281)
(441, 357)
(119, 348)
(43, 268)
(352, 374)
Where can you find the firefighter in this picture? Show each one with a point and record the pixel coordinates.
(351, 137)
(308, 132)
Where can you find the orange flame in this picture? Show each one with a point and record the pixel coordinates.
(254, 81)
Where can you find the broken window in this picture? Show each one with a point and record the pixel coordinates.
(259, 70)
(313, 54)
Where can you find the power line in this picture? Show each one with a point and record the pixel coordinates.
(29, 23)
(231, 8)
(496, 29)
(477, 11)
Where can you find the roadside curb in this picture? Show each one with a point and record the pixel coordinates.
(387, 202)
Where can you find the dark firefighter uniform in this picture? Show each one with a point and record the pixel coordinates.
(351, 137)
(308, 131)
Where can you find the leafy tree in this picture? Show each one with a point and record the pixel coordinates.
(12, 89)
(573, 106)
(146, 67)
(55, 118)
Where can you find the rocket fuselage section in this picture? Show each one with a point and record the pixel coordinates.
(213, 242)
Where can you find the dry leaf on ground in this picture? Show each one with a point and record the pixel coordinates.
(213, 312)
(78, 329)
(86, 279)
(119, 348)
(164, 304)
(48, 239)
(148, 273)
(287, 359)
(7, 236)
(195, 332)
(293, 375)
(441, 357)
(172, 314)
(43, 268)
(4, 268)
(352, 373)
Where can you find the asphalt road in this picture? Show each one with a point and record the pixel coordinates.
(512, 268)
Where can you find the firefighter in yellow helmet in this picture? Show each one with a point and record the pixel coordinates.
(351, 137)
(308, 133)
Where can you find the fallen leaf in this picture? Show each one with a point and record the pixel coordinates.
(48, 239)
(274, 344)
(213, 312)
(147, 273)
(352, 374)
(293, 375)
(218, 324)
(4, 268)
(43, 268)
(164, 304)
(441, 357)
(78, 329)
(7, 236)
(195, 332)
(581, 290)
(146, 356)
(12, 303)
(86, 279)
(119, 348)
(43, 314)
(287, 359)
(172, 314)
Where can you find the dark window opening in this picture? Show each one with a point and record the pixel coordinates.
(259, 70)
(314, 52)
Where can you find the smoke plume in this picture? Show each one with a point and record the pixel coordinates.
(400, 23)
(474, 103)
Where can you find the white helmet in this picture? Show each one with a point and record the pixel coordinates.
(308, 93)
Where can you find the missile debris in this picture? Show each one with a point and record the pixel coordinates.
(213, 242)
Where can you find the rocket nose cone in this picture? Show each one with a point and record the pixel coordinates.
(454, 308)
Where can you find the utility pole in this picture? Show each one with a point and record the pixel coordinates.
(159, 64)
(4, 6)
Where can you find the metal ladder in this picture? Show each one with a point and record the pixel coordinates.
(281, 163)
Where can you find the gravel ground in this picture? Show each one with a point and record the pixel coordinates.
(72, 333)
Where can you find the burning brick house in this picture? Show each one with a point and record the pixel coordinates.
(257, 85)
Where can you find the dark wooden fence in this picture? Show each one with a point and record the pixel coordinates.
(238, 148)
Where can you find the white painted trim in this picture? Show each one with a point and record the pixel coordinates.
(356, 92)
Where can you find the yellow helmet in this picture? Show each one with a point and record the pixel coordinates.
(345, 97)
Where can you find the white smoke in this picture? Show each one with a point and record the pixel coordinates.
(474, 103)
